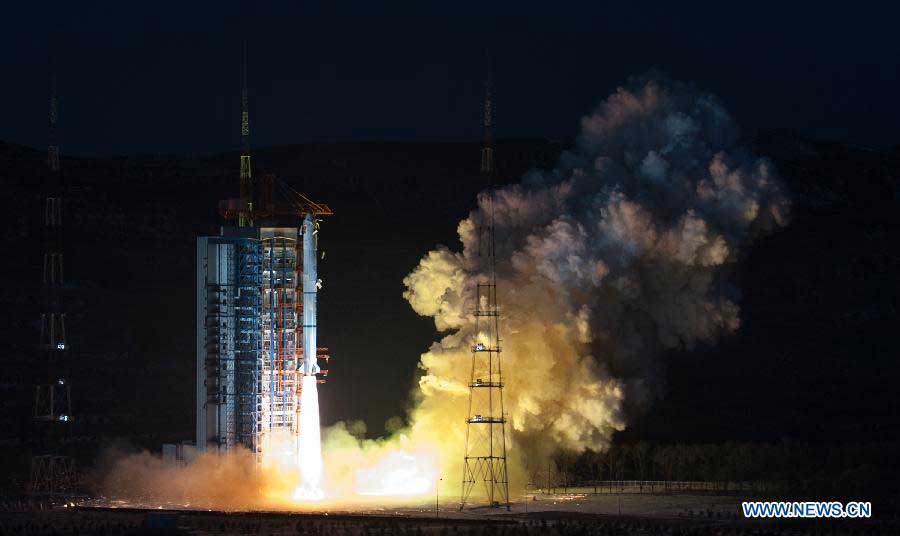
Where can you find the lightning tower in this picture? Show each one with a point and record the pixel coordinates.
(487, 149)
(246, 191)
(485, 453)
(52, 475)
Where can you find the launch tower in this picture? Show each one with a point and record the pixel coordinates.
(257, 285)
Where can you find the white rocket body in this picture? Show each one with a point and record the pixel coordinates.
(310, 279)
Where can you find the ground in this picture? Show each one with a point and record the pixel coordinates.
(569, 514)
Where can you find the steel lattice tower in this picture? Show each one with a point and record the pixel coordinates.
(485, 454)
(246, 191)
(51, 474)
(53, 319)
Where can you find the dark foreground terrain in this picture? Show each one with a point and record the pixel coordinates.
(114, 522)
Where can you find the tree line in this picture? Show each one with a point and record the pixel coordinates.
(784, 467)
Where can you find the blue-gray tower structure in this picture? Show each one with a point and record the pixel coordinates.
(256, 325)
(256, 314)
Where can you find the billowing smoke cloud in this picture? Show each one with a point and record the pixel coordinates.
(603, 263)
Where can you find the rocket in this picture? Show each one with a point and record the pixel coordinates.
(310, 287)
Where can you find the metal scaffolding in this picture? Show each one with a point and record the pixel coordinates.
(232, 340)
(249, 351)
(281, 383)
(53, 477)
(248, 344)
(249, 331)
(485, 452)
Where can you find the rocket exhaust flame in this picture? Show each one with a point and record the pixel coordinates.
(310, 444)
(310, 447)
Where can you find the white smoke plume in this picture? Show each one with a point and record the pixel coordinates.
(603, 263)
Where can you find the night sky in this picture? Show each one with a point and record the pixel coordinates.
(163, 77)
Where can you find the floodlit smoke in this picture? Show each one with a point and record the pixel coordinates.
(603, 263)
(225, 482)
